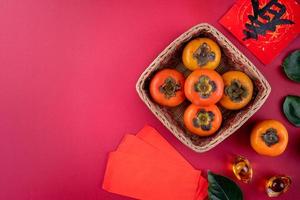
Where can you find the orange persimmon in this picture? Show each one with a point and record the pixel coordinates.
(204, 87)
(203, 121)
(167, 87)
(201, 53)
(269, 137)
(238, 90)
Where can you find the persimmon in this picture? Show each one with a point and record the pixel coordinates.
(167, 87)
(204, 87)
(238, 90)
(203, 121)
(201, 53)
(269, 137)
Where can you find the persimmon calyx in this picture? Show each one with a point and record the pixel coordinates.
(270, 137)
(205, 86)
(203, 54)
(204, 119)
(236, 91)
(170, 87)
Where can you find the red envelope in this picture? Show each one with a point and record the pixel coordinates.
(151, 148)
(142, 178)
(151, 136)
(202, 190)
(133, 145)
(265, 27)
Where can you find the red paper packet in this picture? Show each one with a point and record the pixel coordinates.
(265, 27)
(154, 156)
(142, 178)
(133, 145)
(152, 137)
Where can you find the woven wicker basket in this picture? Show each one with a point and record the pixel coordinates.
(232, 59)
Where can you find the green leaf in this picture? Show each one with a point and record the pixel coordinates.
(222, 188)
(291, 66)
(291, 109)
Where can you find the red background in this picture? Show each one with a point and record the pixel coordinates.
(67, 97)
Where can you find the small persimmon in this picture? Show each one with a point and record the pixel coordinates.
(238, 90)
(203, 121)
(269, 137)
(201, 53)
(204, 87)
(167, 87)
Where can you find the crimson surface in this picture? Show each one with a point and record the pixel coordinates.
(67, 97)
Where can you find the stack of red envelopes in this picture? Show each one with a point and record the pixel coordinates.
(146, 166)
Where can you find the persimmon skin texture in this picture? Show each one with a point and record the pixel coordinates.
(158, 80)
(226, 102)
(258, 143)
(191, 63)
(191, 112)
(194, 96)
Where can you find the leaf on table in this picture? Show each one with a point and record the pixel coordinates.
(291, 66)
(291, 109)
(222, 188)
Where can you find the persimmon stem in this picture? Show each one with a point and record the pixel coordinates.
(270, 137)
(236, 91)
(204, 119)
(205, 86)
(169, 87)
(203, 54)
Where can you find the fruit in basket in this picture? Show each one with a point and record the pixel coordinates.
(201, 53)
(238, 90)
(269, 137)
(167, 87)
(204, 87)
(203, 121)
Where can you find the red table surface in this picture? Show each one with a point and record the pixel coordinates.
(67, 97)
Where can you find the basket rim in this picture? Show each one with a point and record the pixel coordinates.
(266, 89)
